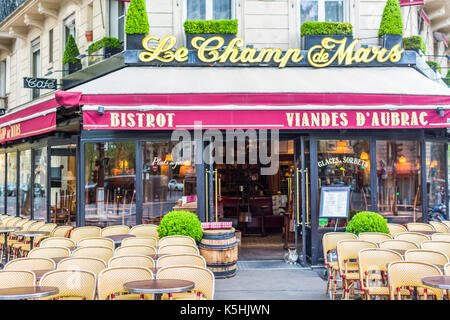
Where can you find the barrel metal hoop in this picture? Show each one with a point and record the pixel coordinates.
(218, 237)
(219, 246)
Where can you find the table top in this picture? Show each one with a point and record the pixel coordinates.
(441, 282)
(159, 286)
(40, 273)
(18, 293)
(32, 233)
(117, 238)
(8, 229)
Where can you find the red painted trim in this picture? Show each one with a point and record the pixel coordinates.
(274, 99)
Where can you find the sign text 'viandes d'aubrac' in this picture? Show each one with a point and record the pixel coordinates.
(212, 50)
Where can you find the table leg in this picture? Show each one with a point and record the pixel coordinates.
(5, 250)
(31, 243)
(158, 296)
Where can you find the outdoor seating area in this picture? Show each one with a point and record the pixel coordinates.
(44, 261)
(410, 263)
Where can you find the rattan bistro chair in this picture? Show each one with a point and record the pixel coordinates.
(202, 277)
(446, 222)
(373, 264)
(427, 256)
(145, 230)
(168, 240)
(398, 244)
(348, 250)
(375, 237)
(181, 260)
(408, 274)
(419, 227)
(441, 246)
(329, 242)
(91, 264)
(178, 248)
(111, 281)
(134, 260)
(31, 264)
(103, 253)
(16, 278)
(57, 242)
(114, 230)
(440, 237)
(95, 241)
(62, 231)
(148, 241)
(395, 228)
(49, 252)
(84, 232)
(72, 284)
(440, 227)
(415, 237)
(136, 249)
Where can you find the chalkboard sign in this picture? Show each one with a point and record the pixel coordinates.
(334, 202)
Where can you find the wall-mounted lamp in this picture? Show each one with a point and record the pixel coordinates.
(52, 72)
(101, 110)
(81, 56)
(440, 111)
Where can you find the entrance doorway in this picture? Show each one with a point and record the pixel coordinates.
(267, 210)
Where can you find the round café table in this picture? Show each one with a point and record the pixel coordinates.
(440, 282)
(31, 235)
(117, 238)
(5, 231)
(159, 286)
(20, 293)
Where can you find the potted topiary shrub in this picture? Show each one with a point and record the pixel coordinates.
(313, 32)
(136, 25)
(391, 25)
(447, 78)
(181, 223)
(71, 53)
(366, 221)
(227, 29)
(415, 43)
(106, 47)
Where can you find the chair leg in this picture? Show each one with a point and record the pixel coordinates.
(330, 278)
(334, 285)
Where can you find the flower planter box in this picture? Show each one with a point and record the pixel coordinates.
(134, 41)
(103, 53)
(310, 41)
(388, 41)
(73, 67)
(226, 37)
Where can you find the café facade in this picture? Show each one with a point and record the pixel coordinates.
(105, 150)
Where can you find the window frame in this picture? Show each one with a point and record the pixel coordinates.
(321, 10)
(209, 10)
(113, 29)
(35, 48)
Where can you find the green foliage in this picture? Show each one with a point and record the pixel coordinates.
(137, 18)
(366, 221)
(104, 42)
(436, 66)
(447, 78)
(414, 42)
(211, 26)
(181, 223)
(326, 28)
(391, 21)
(71, 51)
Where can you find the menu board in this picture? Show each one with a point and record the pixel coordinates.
(334, 202)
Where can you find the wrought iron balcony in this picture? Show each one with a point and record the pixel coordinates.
(8, 6)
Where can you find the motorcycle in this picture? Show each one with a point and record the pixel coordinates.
(437, 213)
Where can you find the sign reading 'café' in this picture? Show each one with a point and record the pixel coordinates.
(40, 83)
(214, 50)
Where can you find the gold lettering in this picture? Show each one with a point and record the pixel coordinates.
(150, 120)
(422, 120)
(290, 119)
(160, 120)
(140, 119)
(395, 119)
(170, 119)
(115, 122)
(206, 47)
(131, 123)
(375, 120)
(305, 120)
(344, 121)
(414, 120)
(360, 119)
(404, 119)
(315, 119)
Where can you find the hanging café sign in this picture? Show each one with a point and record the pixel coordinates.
(215, 50)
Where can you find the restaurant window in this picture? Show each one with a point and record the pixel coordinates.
(436, 170)
(209, 9)
(110, 190)
(168, 180)
(40, 184)
(117, 15)
(35, 64)
(11, 185)
(25, 184)
(322, 10)
(63, 185)
(2, 182)
(346, 163)
(398, 178)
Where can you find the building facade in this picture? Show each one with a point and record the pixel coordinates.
(99, 149)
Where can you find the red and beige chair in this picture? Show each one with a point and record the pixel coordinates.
(440, 237)
(103, 253)
(415, 237)
(440, 227)
(16, 278)
(136, 249)
(145, 230)
(95, 241)
(114, 230)
(49, 252)
(178, 248)
(58, 242)
(94, 265)
(398, 244)
(427, 256)
(203, 279)
(181, 260)
(135, 260)
(375, 237)
(395, 228)
(62, 231)
(72, 284)
(148, 241)
(441, 246)
(416, 226)
(31, 264)
(111, 280)
(176, 240)
(84, 232)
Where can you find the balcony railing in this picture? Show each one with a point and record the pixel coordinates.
(8, 6)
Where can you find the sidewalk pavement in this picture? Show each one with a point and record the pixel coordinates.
(279, 283)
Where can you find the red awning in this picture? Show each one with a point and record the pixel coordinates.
(34, 120)
(406, 3)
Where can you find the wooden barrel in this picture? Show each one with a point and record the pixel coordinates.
(220, 250)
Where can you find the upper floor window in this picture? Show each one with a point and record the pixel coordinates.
(117, 14)
(209, 9)
(2, 78)
(35, 63)
(322, 10)
(69, 28)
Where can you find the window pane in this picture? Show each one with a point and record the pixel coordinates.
(167, 179)
(11, 187)
(435, 161)
(334, 11)
(2, 183)
(346, 163)
(398, 172)
(221, 9)
(63, 185)
(40, 184)
(110, 191)
(25, 184)
(196, 10)
(309, 11)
